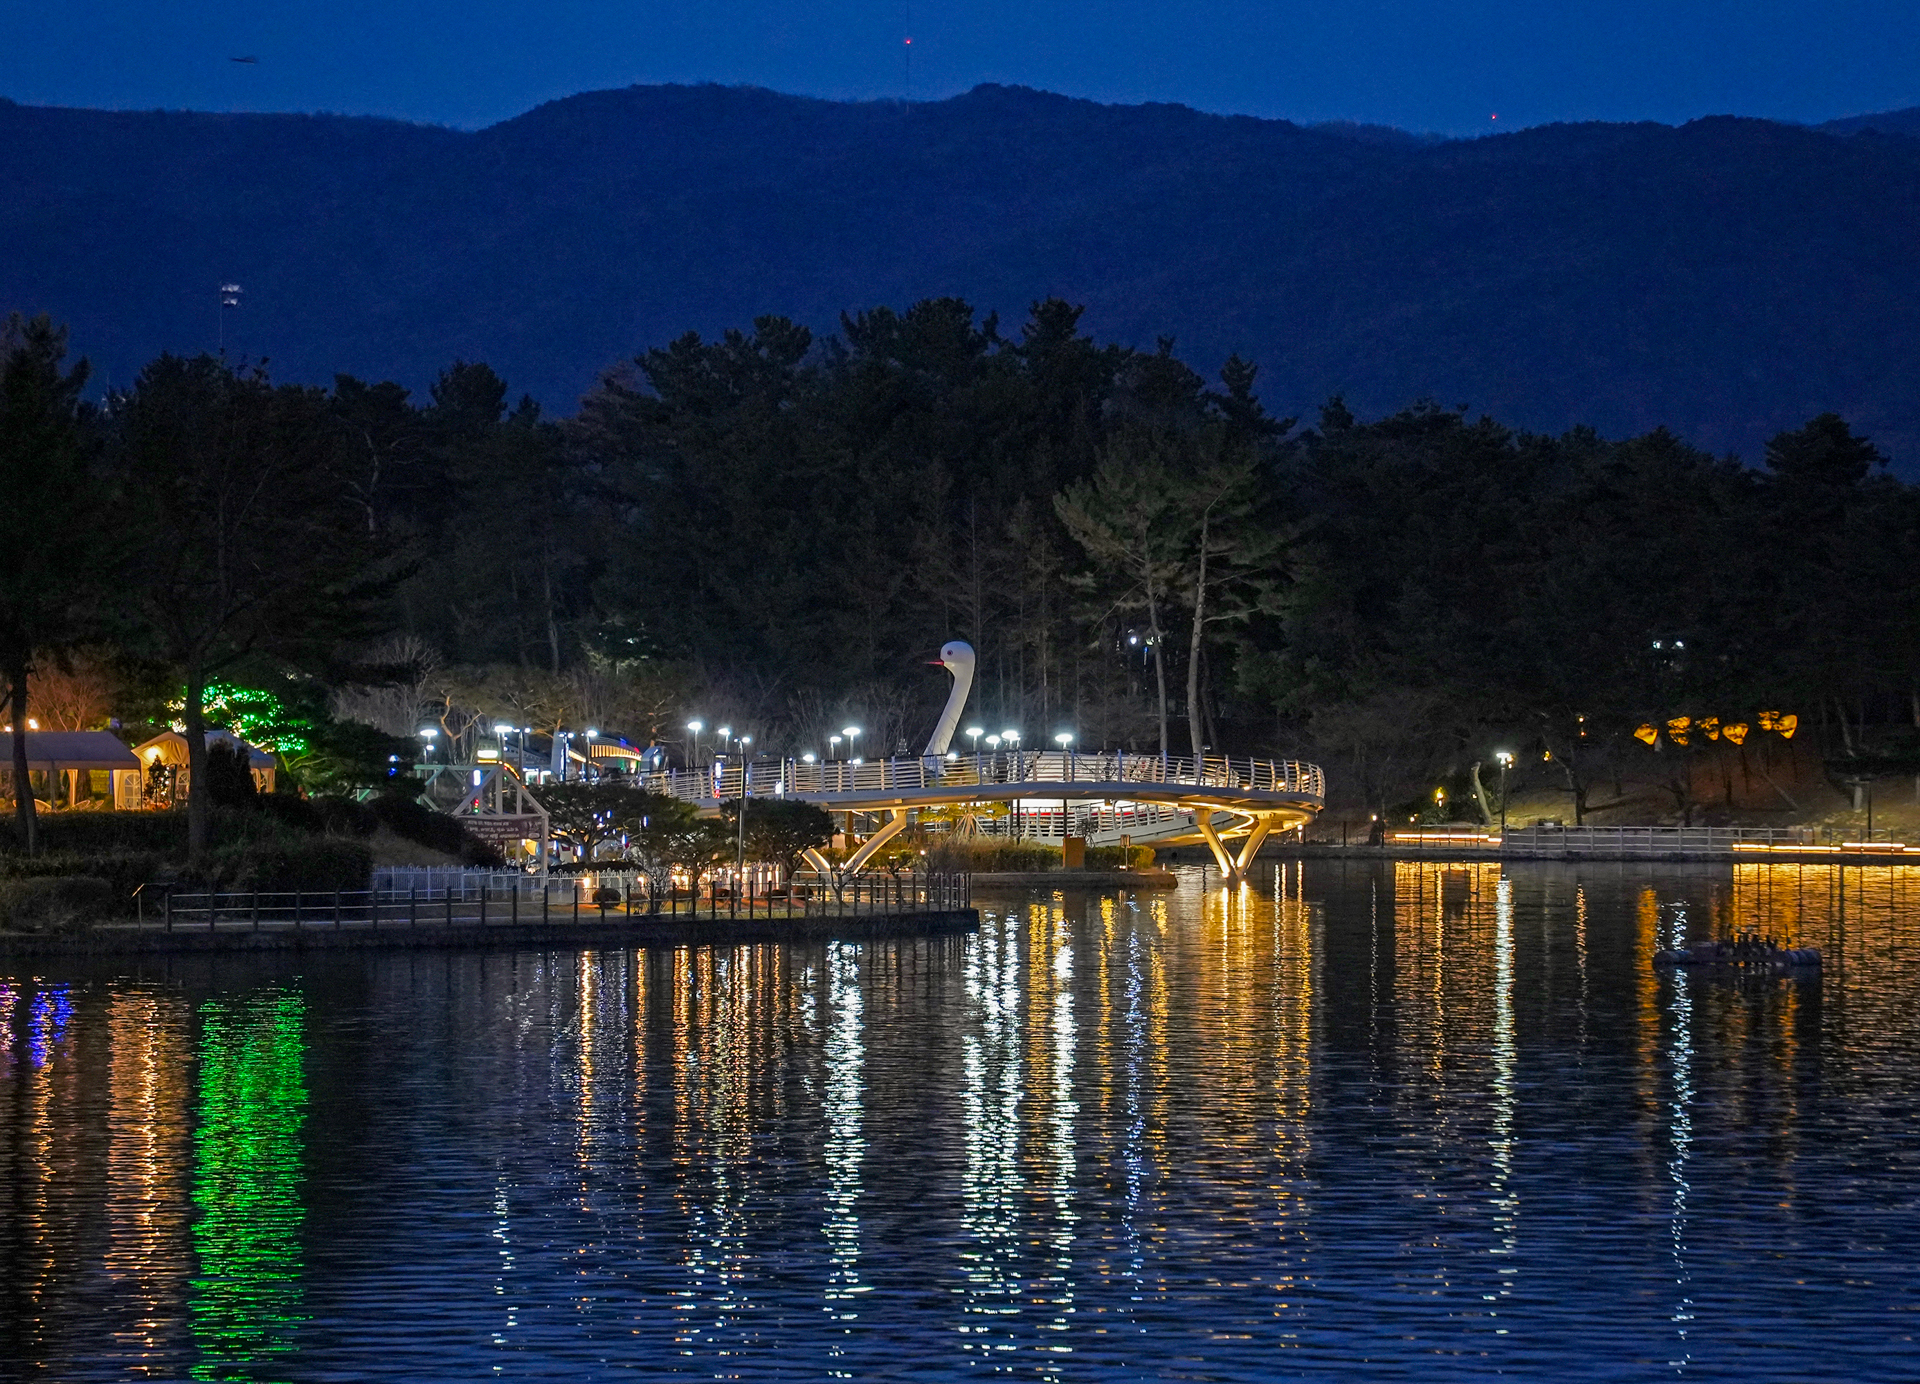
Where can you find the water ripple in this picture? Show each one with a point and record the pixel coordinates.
(1379, 1122)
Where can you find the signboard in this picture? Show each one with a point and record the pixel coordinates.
(506, 829)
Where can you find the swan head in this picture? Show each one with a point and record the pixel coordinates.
(955, 655)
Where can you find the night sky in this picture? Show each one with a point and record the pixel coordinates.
(1419, 65)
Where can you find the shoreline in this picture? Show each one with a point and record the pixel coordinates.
(133, 940)
(1777, 855)
(1156, 878)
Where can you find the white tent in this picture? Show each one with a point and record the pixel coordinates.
(170, 748)
(77, 752)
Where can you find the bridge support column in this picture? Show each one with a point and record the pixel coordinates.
(1251, 848)
(1204, 820)
(893, 828)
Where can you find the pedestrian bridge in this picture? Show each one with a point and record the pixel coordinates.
(1230, 804)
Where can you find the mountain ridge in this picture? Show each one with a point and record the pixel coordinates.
(1727, 278)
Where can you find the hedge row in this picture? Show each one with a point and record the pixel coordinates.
(319, 864)
(51, 903)
(985, 857)
(1116, 858)
(316, 864)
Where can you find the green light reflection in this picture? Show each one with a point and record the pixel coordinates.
(246, 1183)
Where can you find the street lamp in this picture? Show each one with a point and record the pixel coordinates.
(852, 733)
(740, 866)
(1064, 739)
(1505, 760)
(726, 737)
(427, 734)
(696, 727)
(833, 747)
(1012, 739)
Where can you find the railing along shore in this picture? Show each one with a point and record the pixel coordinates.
(488, 899)
(1626, 842)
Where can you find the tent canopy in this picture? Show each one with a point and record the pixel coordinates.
(48, 750)
(170, 747)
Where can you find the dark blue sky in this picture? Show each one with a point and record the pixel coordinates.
(1419, 65)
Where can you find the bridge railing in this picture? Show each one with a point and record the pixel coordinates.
(767, 778)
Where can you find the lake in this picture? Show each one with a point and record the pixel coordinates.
(1346, 1121)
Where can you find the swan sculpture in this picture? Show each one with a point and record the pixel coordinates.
(956, 656)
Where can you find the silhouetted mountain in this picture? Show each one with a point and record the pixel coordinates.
(1727, 278)
(1900, 122)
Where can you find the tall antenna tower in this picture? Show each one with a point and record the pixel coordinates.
(229, 298)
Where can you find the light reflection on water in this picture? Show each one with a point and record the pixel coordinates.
(1409, 1120)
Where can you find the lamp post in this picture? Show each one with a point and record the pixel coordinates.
(1011, 738)
(1505, 761)
(852, 733)
(427, 733)
(1063, 740)
(833, 747)
(740, 866)
(696, 727)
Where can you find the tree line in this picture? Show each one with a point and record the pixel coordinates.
(776, 531)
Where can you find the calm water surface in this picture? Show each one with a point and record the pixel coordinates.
(1396, 1121)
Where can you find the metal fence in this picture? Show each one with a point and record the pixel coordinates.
(1630, 841)
(487, 899)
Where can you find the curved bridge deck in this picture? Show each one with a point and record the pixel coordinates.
(1152, 798)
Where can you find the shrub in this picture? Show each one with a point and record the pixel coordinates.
(419, 823)
(982, 857)
(338, 815)
(53, 903)
(123, 871)
(317, 864)
(292, 812)
(230, 776)
(1114, 858)
(95, 833)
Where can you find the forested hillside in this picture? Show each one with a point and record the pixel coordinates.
(1727, 279)
(774, 534)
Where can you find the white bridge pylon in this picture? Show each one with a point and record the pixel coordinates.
(1230, 804)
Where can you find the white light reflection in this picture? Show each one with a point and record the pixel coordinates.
(1502, 1197)
(990, 1101)
(846, 1138)
(1681, 1138)
(1061, 1127)
(149, 1250)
